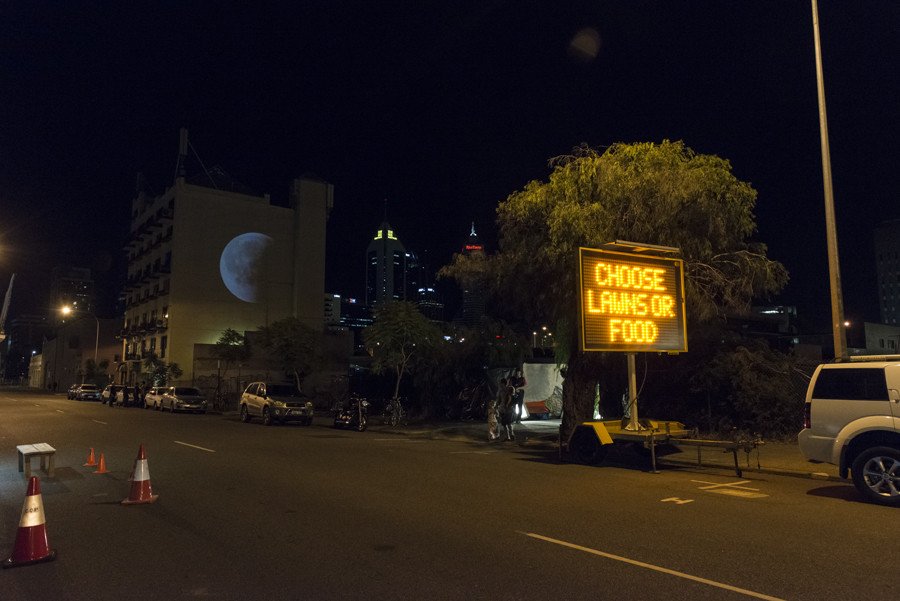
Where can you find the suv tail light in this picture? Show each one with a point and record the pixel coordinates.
(806, 416)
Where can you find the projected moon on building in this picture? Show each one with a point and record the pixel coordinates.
(242, 265)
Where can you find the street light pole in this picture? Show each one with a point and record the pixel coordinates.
(834, 271)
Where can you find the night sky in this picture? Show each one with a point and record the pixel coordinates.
(443, 109)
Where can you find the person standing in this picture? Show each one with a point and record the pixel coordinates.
(506, 402)
(518, 383)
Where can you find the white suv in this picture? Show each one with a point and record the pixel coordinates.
(853, 421)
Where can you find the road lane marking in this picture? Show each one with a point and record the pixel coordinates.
(93, 420)
(739, 492)
(60, 411)
(9, 398)
(195, 446)
(714, 485)
(677, 500)
(641, 564)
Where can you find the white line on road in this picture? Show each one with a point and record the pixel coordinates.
(9, 398)
(60, 411)
(653, 567)
(195, 446)
(93, 420)
(714, 485)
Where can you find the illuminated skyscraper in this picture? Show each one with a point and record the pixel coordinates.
(390, 269)
(472, 310)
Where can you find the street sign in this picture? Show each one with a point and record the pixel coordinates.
(631, 302)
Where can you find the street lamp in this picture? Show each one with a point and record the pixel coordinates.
(67, 310)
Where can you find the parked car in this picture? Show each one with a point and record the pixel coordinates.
(154, 397)
(852, 420)
(275, 402)
(104, 396)
(183, 398)
(70, 394)
(120, 396)
(87, 392)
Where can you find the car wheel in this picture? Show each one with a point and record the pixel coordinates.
(876, 475)
(586, 449)
(245, 415)
(267, 417)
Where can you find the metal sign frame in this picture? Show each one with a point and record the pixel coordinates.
(631, 302)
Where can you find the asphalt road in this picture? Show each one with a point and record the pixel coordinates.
(292, 512)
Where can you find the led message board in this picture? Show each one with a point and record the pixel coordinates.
(631, 303)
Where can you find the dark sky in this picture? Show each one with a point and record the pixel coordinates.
(443, 109)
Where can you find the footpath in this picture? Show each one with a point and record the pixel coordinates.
(781, 458)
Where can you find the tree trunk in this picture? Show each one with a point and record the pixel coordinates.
(579, 391)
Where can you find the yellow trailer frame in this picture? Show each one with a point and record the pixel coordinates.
(589, 441)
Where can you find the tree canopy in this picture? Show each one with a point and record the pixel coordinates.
(398, 337)
(662, 194)
(295, 346)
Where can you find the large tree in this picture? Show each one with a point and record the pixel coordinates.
(398, 337)
(232, 347)
(295, 346)
(662, 194)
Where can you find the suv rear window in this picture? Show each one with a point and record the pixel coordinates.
(866, 384)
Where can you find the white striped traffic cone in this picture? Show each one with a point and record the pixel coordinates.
(140, 485)
(31, 544)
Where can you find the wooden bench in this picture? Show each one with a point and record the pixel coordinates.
(42, 450)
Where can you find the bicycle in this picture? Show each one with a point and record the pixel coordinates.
(394, 412)
(220, 402)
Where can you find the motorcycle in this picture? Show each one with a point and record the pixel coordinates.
(353, 416)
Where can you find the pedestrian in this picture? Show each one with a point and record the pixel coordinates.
(124, 396)
(493, 421)
(518, 383)
(505, 400)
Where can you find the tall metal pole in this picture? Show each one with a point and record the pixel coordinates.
(633, 423)
(834, 271)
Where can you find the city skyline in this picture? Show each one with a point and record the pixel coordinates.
(443, 112)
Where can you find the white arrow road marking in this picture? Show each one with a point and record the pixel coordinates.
(195, 446)
(641, 564)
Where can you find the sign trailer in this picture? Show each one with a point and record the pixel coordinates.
(632, 301)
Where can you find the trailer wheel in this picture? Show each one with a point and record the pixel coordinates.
(585, 448)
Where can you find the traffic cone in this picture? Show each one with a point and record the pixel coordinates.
(91, 461)
(131, 475)
(102, 469)
(31, 544)
(140, 485)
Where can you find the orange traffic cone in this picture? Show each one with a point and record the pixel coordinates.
(31, 544)
(102, 469)
(91, 461)
(140, 485)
